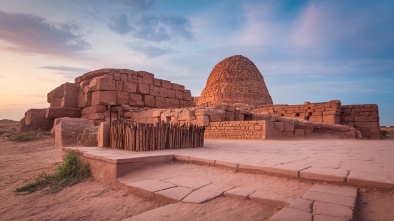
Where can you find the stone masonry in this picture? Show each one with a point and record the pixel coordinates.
(235, 79)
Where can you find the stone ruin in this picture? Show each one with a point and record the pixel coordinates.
(235, 104)
(236, 79)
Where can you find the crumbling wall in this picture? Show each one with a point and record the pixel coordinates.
(363, 117)
(324, 112)
(236, 130)
(132, 89)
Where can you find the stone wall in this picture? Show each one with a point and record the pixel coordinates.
(364, 118)
(134, 89)
(324, 112)
(277, 128)
(236, 130)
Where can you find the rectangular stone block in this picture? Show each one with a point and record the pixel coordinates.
(122, 98)
(119, 85)
(166, 84)
(130, 87)
(161, 102)
(299, 132)
(366, 124)
(57, 112)
(279, 126)
(187, 96)
(84, 100)
(170, 93)
(179, 95)
(135, 100)
(104, 97)
(183, 104)
(172, 102)
(56, 102)
(145, 74)
(69, 101)
(366, 118)
(142, 88)
(58, 92)
(149, 100)
(289, 126)
(316, 119)
(102, 84)
(178, 87)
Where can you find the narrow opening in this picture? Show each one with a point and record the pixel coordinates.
(297, 114)
(248, 117)
(168, 119)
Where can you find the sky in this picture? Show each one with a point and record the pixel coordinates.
(312, 51)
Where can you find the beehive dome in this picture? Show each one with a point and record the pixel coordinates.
(235, 79)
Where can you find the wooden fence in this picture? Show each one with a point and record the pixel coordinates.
(144, 137)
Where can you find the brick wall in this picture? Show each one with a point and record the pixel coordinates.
(325, 112)
(364, 117)
(236, 130)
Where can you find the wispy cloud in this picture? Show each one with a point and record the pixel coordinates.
(65, 68)
(34, 34)
(150, 51)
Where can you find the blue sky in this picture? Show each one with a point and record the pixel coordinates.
(306, 50)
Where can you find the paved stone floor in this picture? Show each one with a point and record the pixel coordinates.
(362, 163)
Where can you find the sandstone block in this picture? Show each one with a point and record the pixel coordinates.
(69, 101)
(366, 124)
(96, 116)
(102, 84)
(142, 88)
(178, 94)
(130, 87)
(157, 82)
(68, 130)
(57, 112)
(279, 126)
(170, 93)
(172, 102)
(94, 109)
(299, 132)
(239, 117)
(122, 98)
(147, 80)
(316, 119)
(183, 104)
(149, 100)
(119, 85)
(58, 92)
(84, 100)
(56, 102)
(178, 87)
(35, 119)
(135, 100)
(161, 102)
(104, 97)
(166, 84)
(289, 126)
(145, 74)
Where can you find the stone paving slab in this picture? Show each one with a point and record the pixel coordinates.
(331, 209)
(201, 196)
(174, 194)
(217, 188)
(367, 161)
(151, 185)
(189, 182)
(287, 214)
(326, 174)
(330, 198)
(269, 197)
(334, 203)
(302, 204)
(239, 192)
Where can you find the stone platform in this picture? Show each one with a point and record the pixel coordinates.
(359, 163)
(347, 163)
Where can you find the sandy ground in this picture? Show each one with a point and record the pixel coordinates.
(22, 162)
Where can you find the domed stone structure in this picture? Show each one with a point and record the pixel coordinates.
(235, 79)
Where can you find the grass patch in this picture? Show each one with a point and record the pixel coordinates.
(24, 137)
(68, 173)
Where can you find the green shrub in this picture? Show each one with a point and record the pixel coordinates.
(68, 173)
(24, 137)
(384, 132)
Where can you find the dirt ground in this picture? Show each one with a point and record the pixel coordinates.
(20, 163)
